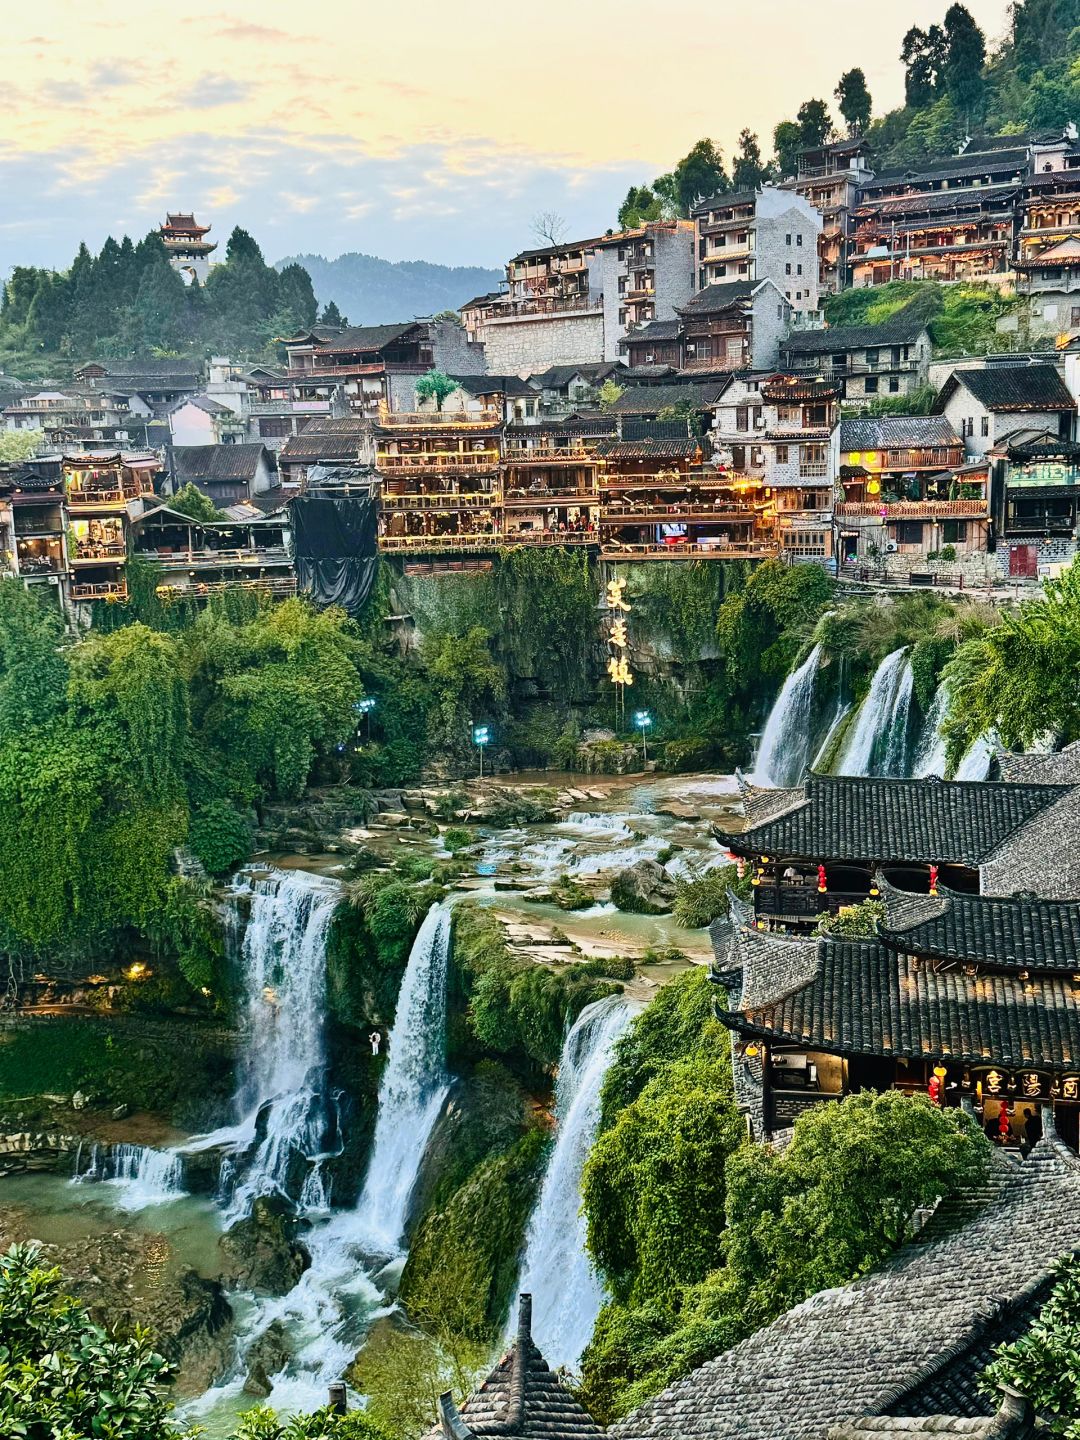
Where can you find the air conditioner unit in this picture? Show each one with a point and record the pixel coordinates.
(759, 422)
(891, 547)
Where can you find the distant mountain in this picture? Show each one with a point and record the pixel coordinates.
(370, 291)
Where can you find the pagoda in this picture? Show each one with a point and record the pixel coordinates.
(189, 250)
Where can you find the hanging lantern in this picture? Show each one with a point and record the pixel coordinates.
(874, 891)
(821, 885)
(740, 866)
(933, 879)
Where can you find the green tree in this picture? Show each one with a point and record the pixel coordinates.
(332, 316)
(189, 500)
(965, 56)
(748, 169)
(1044, 1364)
(18, 445)
(609, 393)
(923, 54)
(641, 204)
(787, 142)
(436, 385)
(853, 98)
(815, 123)
(698, 175)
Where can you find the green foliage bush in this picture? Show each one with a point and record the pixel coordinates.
(1044, 1364)
(700, 898)
(458, 837)
(852, 922)
(219, 837)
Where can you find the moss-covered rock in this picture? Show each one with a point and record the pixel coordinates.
(644, 888)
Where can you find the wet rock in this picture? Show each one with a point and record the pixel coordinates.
(120, 1112)
(262, 1249)
(79, 1101)
(644, 888)
(270, 1353)
(257, 1382)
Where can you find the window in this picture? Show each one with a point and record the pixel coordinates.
(870, 385)
(909, 532)
(273, 428)
(779, 312)
(1075, 321)
(798, 270)
(787, 268)
(743, 268)
(781, 454)
(742, 418)
(954, 532)
(798, 239)
(894, 385)
(787, 239)
(984, 426)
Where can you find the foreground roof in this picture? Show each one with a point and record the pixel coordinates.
(1008, 931)
(648, 399)
(855, 997)
(217, 462)
(1012, 387)
(520, 1399)
(719, 297)
(898, 432)
(860, 1350)
(931, 822)
(903, 326)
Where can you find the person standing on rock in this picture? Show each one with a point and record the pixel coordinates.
(376, 1040)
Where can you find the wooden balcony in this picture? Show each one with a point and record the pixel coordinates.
(546, 499)
(112, 497)
(913, 510)
(674, 515)
(210, 559)
(436, 462)
(438, 544)
(688, 551)
(115, 554)
(481, 500)
(101, 590)
(551, 538)
(279, 585)
(550, 455)
(438, 419)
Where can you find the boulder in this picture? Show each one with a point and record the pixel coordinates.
(644, 888)
(262, 1249)
(269, 1354)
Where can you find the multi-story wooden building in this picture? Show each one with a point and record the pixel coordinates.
(829, 177)
(187, 247)
(550, 487)
(199, 559)
(736, 325)
(439, 481)
(908, 491)
(103, 494)
(33, 524)
(1048, 245)
(866, 361)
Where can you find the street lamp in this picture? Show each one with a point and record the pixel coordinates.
(364, 707)
(642, 719)
(481, 736)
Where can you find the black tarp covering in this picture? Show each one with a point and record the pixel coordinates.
(335, 548)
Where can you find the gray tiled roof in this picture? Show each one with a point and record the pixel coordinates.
(520, 1399)
(1060, 767)
(648, 399)
(1012, 387)
(898, 432)
(933, 822)
(719, 297)
(202, 463)
(1043, 856)
(1014, 932)
(864, 999)
(857, 1350)
(900, 328)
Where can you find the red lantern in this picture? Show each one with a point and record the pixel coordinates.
(933, 1089)
(933, 879)
(822, 887)
(1003, 1120)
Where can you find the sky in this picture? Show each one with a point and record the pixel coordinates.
(401, 128)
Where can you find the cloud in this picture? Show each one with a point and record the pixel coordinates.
(210, 91)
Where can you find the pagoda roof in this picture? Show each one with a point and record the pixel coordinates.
(184, 222)
(931, 821)
(1014, 932)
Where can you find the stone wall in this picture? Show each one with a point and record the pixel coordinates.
(530, 344)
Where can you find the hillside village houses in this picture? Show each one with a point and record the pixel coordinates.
(743, 425)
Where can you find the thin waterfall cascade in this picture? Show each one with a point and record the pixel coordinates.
(142, 1175)
(281, 1099)
(975, 764)
(877, 744)
(931, 755)
(567, 1293)
(784, 751)
(412, 1091)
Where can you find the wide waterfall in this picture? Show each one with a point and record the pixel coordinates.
(413, 1088)
(785, 742)
(878, 741)
(931, 754)
(975, 764)
(281, 1101)
(141, 1175)
(566, 1291)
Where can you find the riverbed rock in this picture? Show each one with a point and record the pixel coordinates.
(644, 888)
(268, 1355)
(262, 1249)
(79, 1101)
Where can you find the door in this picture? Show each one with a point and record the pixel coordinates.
(1023, 562)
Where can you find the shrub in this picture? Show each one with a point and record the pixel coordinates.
(219, 836)
(458, 837)
(852, 922)
(700, 898)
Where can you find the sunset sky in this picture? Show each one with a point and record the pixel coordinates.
(411, 130)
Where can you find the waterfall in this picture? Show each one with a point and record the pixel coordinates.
(975, 764)
(141, 1175)
(281, 1099)
(785, 743)
(930, 756)
(878, 741)
(413, 1088)
(567, 1294)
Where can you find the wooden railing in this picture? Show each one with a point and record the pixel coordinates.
(712, 551)
(545, 455)
(441, 460)
(912, 509)
(241, 555)
(203, 589)
(76, 498)
(482, 500)
(551, 537)
(668, 514)
(544, 499)
(103, 590)
(420, 544)
(437, 419)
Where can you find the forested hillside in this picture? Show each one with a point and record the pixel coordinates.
(370, 291)
(128, 300)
